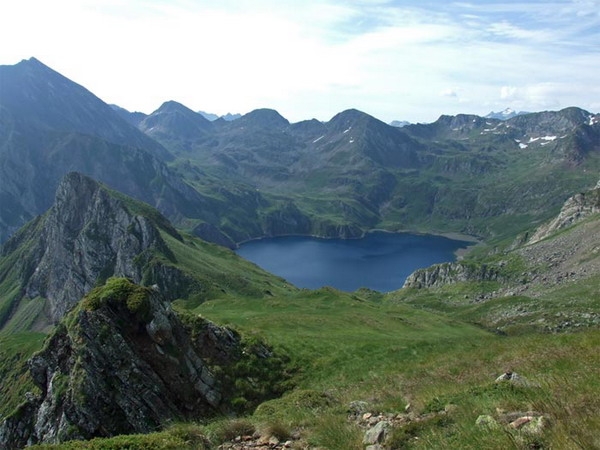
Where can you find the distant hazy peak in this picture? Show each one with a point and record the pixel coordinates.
(507, 113)
(229, 117)
(173, 106)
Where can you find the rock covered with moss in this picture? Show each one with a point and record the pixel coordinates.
(124, 362)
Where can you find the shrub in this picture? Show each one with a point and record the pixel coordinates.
(121, 290)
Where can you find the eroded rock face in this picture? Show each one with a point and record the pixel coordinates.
(87, 236)
(448, 273)
(121, 362)
(575, 209)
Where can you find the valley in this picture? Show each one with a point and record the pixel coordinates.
(127, 321)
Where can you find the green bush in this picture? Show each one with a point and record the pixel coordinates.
(122, 290)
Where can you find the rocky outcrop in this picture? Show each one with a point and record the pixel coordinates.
(447, 273)
(286, 220)
(121, 362)
(88, 235)
(211, 233)
(575, 209)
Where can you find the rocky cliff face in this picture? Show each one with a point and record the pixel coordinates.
(122, 362)
(575, 209)
(88, 235)
(447, 273)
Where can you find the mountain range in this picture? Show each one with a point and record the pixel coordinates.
(335, 178)
(507, 113)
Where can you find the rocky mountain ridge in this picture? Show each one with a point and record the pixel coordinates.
(92, 233)
(449, 273)
(507, 113)
(87, 236)
(123, 362)
(119, 359)
(575, 209)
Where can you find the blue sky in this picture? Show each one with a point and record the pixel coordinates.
(392, 59)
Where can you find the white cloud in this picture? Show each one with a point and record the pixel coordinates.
(449, 93)
(395, 62)
(508, 92)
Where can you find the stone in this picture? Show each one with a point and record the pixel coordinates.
(518, 423)
(515, 379)
(377, 434)
(358, 407)
(263, 440)
(487, 421)
(536, 425)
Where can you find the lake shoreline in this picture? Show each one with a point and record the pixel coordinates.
(381, 260)
(455, 236)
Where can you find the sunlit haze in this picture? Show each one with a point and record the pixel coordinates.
(396, 60)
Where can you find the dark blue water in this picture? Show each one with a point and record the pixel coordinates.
(379, 261)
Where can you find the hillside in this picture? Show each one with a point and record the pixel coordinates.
(361, 173)
(260, 175)
(545, 281)
(92, 233)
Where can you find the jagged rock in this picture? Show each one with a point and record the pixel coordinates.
(575, 209)
(88, 235)
(358, 407)
(376, 434)
(447, 273)
(121, 362)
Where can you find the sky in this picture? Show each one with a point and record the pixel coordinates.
(395, 60)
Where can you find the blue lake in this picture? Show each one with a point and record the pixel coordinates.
(379, 261)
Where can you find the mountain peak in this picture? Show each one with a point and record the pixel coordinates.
(264, 117)
(173, 106)
(348, 118)
(32, 62)
(507, 113)
(88, 234)
(175, 121)
(48, 101)
(227, 117)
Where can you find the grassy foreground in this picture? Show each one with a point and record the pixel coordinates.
(362, 347)
(353, 347)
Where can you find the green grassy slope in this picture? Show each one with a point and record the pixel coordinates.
(15, 349)
(360, 347)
